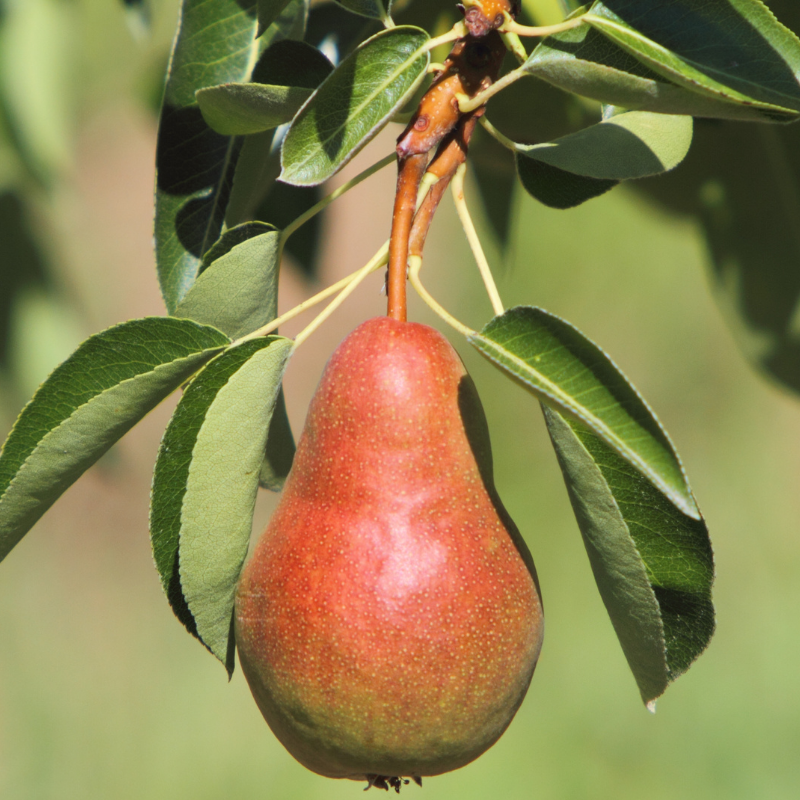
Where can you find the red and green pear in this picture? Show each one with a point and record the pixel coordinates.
(389, 619)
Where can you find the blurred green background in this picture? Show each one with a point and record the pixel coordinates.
(102, 692)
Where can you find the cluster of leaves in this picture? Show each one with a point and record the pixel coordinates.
(253, 104)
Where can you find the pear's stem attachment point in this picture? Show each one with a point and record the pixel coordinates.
(414, 266)
(457, 187)
(377, 261)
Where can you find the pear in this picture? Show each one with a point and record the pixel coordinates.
(389, 619)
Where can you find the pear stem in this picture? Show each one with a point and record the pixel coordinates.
(457, 187)
(378, 260)
(409, 176)
(414, 266)
(334, 195)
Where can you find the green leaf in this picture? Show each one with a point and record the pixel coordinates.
(99, 393)
(268, 12)
(584, 61)
(283, 79)
(353, 104)
(205, 485)
(284, 63)
(653, 564)
(583, 165)
(257, 168)
(556, 187)
(567, 371)
(742, 184)
(238, 292)
(730, 50)
(283, 205)
(280, 449)
(237, 109)
(38, 55)
(216, 43)
(366, 8)
(626, 146)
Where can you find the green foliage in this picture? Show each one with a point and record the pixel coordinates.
(89, 402)
(652, 563)
(238, 291)
(354, 104)
(733, 50)
(255, 119)
(572, 374)
(205, 484)
(634, 55)
(582, 165)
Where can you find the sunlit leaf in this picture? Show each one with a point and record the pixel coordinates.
(588, 163)
(731, 50)
(238, 292)
(99, 393)
(205, 485)
(652, 563)
(584, 61)
(626, 146)
(353, 104)
(216, 43)
(573, 375)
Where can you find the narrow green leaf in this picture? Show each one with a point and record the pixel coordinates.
(573, 375)
(353, 104)
(365, 8)
(626, 146)
(653, 564)
(584, 61)
(238, 292)
(215, 44)
(205, 484)
(99, 393)
(237, 109)
(730, 50)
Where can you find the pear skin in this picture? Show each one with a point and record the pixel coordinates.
(389, 619)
